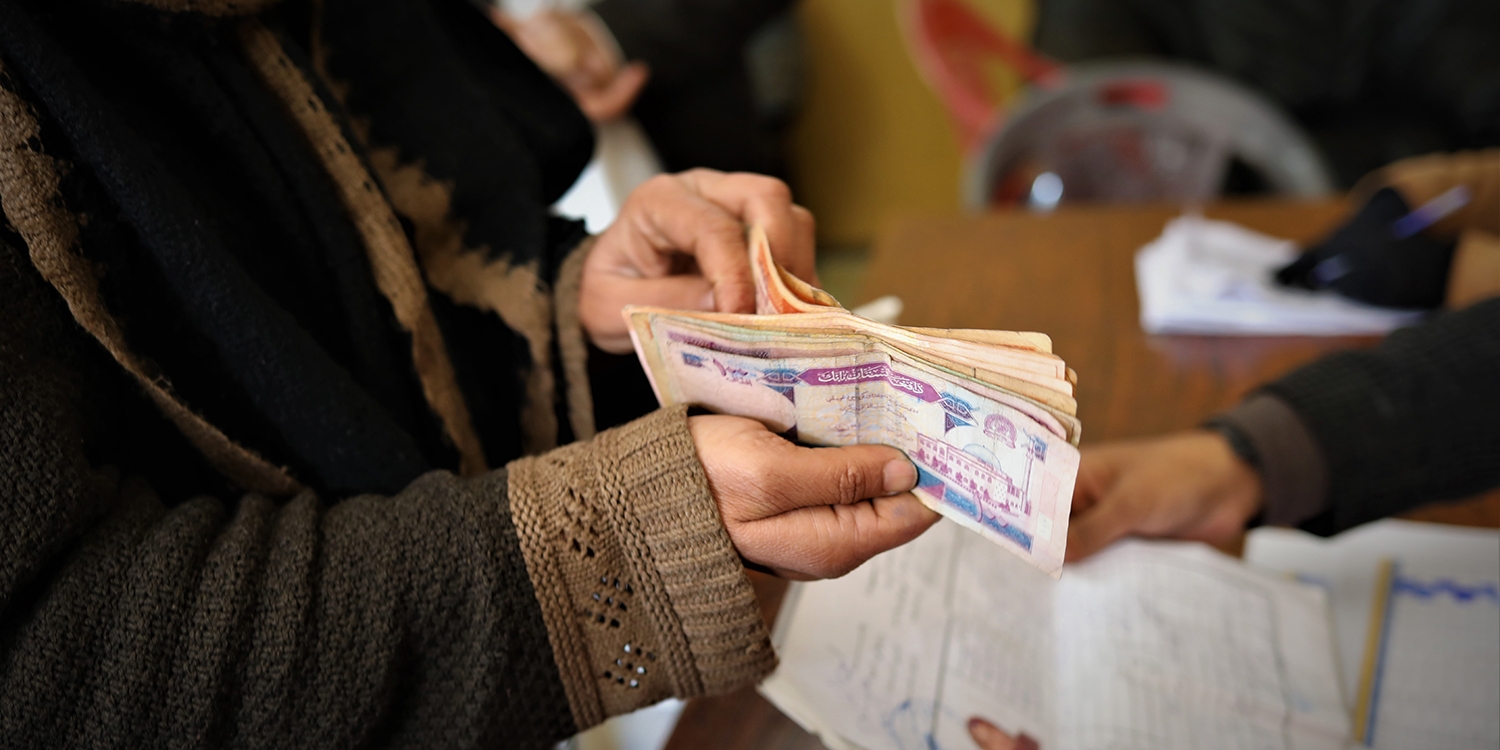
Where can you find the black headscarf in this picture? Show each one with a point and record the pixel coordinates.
(221, 242)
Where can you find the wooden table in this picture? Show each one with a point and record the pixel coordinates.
(1069, 274)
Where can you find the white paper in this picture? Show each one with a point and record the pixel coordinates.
(1151, 645)
(867, 669)
(1439, 665)
(1214, 277)
(623, 159)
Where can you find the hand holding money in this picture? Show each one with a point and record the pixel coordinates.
(987, 417)
(679, 242)
(807, 513)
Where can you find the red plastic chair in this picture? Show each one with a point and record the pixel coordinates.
(1107, 130)
(951, 44)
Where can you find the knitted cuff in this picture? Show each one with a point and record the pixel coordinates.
(642, 592)
(1293, 471)
(572, 343)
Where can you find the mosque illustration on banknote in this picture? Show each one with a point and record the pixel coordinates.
(971, 478)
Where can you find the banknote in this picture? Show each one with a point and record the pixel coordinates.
(1051, 391)
(988, 417)
(722, 331)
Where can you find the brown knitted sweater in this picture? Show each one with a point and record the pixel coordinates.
(223, 524)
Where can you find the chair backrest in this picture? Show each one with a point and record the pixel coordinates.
(1139, 131)
(953, 46)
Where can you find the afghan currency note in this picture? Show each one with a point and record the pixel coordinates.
(650, 324)
(988, 417)
(829, 327)
(982, 462)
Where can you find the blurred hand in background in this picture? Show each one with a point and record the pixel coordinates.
(577, 51)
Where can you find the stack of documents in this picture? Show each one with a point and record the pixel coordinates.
(988, 417)
(1214, 277)
(1156, 646)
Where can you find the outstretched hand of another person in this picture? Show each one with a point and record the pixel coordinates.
(679, 242)
(1186, 485)
(572, 49)
(807, 513)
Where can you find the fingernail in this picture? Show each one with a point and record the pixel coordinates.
(708, 302)
(900, 476)
(983, 733)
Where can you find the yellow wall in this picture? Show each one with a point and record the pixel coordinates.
(872, 140)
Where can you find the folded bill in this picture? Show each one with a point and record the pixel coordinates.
(988, 417)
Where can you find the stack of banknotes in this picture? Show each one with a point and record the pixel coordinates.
(988, 417)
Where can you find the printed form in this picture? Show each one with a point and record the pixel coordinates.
(1149, 645)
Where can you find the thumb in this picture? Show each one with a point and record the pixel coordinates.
(820, 521)
(1099, 527)
(812, 477)
(827, 541)
(675, 292)
(601, 308)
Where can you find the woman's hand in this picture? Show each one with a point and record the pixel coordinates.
(807, 512)
(679, 242)
(1187, 485)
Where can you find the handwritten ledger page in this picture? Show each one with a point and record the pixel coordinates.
(1149, 645)
(1420, 646)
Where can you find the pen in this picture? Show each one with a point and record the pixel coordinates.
(1431, 212)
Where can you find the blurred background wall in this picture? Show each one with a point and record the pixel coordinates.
(872, 139)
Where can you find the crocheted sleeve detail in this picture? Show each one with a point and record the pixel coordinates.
(642, 592)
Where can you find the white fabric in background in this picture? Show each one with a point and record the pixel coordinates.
(524, 8)
(623, 159)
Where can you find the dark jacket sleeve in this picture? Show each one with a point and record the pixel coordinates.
(130, 618)
(136, 614)
(1414, 421)
(686, 41)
